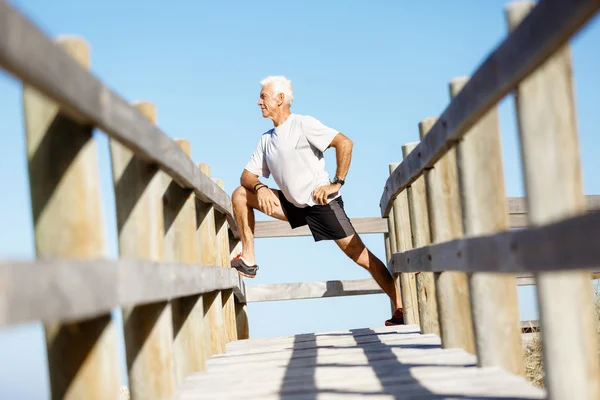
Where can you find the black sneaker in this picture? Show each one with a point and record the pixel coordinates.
(242, 268)
(397, 318)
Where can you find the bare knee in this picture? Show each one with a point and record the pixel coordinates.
(239, 197)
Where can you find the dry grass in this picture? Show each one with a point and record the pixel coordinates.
(534, 367)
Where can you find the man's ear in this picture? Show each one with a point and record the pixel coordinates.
(280, 99)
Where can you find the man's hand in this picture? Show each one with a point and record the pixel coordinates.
(267, 200)
(322, 193)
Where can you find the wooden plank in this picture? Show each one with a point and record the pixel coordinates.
(444, 210)
(27, 53)
(407, 281)
(209, 255)
(566, 245)
(181, 246)
(67, 222)
(542, 33)
(419, 222)
(372, 225)
(148, 328)
(311, 290)
(552, 169)
(321, 289)
(382, 363)
(69, 290)
(494, 302)
(224, 253)
(270, 229)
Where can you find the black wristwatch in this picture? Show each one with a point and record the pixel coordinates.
(338, 180)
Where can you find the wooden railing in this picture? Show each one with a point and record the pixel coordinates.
(175, 228)
(447, 205)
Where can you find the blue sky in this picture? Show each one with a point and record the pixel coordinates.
(370, 69)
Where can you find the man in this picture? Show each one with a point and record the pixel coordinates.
(293, 153)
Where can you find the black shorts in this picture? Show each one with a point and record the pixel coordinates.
(326, 222)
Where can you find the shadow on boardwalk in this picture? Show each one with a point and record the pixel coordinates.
(393, 379)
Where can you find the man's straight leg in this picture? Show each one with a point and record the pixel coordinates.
(354, 248)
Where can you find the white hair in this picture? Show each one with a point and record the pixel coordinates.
(280, 85)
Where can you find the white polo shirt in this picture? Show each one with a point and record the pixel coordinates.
(293, 154)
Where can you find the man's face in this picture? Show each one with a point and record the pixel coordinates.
(268, 102)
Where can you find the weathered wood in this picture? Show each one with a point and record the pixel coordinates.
(181, 246)
(320, 289)
(207, 234)
(419, 222)
(70, 290)
(271, 229)
(360, 363)
(494, 302)
(445, 223)
(564, 245)
(27, 53)
(371, 225)
(393, 244)
(148, 328)
(405, 282)
(547, 29)
(67, 219)
(227, 297)
(311, 290)
(241, 320)
(552, 169)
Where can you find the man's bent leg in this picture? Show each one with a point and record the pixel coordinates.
(354, 248)
(244, 203)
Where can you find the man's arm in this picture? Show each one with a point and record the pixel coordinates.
(343, 154)
(249, 180)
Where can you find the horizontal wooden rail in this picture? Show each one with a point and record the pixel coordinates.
(367, 225)
(27, 53)
(568, 244)
(321, 289)
(311, 290)
(544, 31)
(61, 290)
(272, 229)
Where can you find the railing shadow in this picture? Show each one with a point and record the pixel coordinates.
(394, 377)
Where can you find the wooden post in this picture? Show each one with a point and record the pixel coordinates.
(209, 256)
(148, 328)
(241, 319)
(67, 218)
(408, 284)
(494, 302)
(227, 297)
(445, 223)
(181, 246)
(554, 190)
(391, 248)
(419, 222)
(241, 311)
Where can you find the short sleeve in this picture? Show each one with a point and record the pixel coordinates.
(318, 134)
(257, 163)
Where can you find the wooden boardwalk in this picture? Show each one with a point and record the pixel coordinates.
(387, 362)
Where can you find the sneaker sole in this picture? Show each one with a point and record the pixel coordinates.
(246, 275)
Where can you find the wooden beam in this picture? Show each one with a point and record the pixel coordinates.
(311, 290)
(570, 244)
(27, 53)
(318, 290)
(370, 225)
(69, 290)
(545, 30)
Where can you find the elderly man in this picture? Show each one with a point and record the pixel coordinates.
(293, 153)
